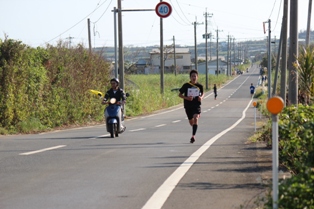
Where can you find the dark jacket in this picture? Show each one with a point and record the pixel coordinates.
(119, 95)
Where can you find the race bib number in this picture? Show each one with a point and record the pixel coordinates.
(193, 92)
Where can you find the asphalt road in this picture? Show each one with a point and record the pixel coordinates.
(151, 165)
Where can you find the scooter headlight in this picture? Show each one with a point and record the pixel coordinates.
(112, 100)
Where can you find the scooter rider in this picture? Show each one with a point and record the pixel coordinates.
(116, 92)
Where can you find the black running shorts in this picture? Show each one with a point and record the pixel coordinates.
(190, 112)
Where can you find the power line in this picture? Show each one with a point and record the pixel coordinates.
(182, 11)
(272, 9)
(103, 13)
(84, 19)
(174, 8)
(278, 15)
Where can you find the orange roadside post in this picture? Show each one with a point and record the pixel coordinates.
(275, 106)
(255, 106)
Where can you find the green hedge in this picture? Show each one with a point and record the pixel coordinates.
(48, 87)
(296, 152)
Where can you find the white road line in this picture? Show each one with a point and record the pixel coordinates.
(140, 129)
(160, 125)
(176, 121)
(42, 150)
(101, 136)
(161, 195)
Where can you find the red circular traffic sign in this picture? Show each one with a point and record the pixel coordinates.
(163, 9)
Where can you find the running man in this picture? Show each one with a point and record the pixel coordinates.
(192, 94)
(252, 89)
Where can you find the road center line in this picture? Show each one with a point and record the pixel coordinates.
(140, 129)
(42, 150)
(176, 121)
(160, 125)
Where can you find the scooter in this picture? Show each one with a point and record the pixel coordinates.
(113, 115)
(114, 118)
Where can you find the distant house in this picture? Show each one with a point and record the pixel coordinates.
(182, 58)
(236, 61)
(212, 67)
(141, 64)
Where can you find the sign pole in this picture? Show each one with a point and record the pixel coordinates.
(275, 160)
(163, 10)
(255, 106)
(274, 106)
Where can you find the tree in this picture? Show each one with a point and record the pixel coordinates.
(305, 67)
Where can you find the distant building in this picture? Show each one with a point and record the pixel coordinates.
(182, 58)
(141, 64)
(212, 67)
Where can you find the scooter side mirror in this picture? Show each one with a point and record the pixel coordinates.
(127, 94)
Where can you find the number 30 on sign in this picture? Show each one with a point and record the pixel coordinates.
(163, 9)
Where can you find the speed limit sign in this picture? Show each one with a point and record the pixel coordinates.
(163, 9)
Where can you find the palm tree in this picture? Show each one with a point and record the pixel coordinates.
(305, 67)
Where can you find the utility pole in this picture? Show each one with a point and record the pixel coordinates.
(230, 65)
(195, 41)
(277, 64)
(121, 53)
(308, 30)
(217, 37)
(120, 38)
(210, 46)
(228, 57)
(115, 42)
(70, 40)
(269, 60)
(234, 58)
(174, 56)
(239, 50)
(89, 36)
(206, 50)
(293, 53)
(283, 81)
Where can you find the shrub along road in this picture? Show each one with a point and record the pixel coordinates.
(84, 168)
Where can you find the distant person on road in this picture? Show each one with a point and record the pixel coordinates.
(192, 95)
(252, 89)
(215, 91)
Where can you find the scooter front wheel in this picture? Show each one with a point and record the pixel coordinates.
(112, 130)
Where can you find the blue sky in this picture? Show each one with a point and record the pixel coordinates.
(38, 22)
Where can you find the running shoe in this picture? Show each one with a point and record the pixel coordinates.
(192, 140)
